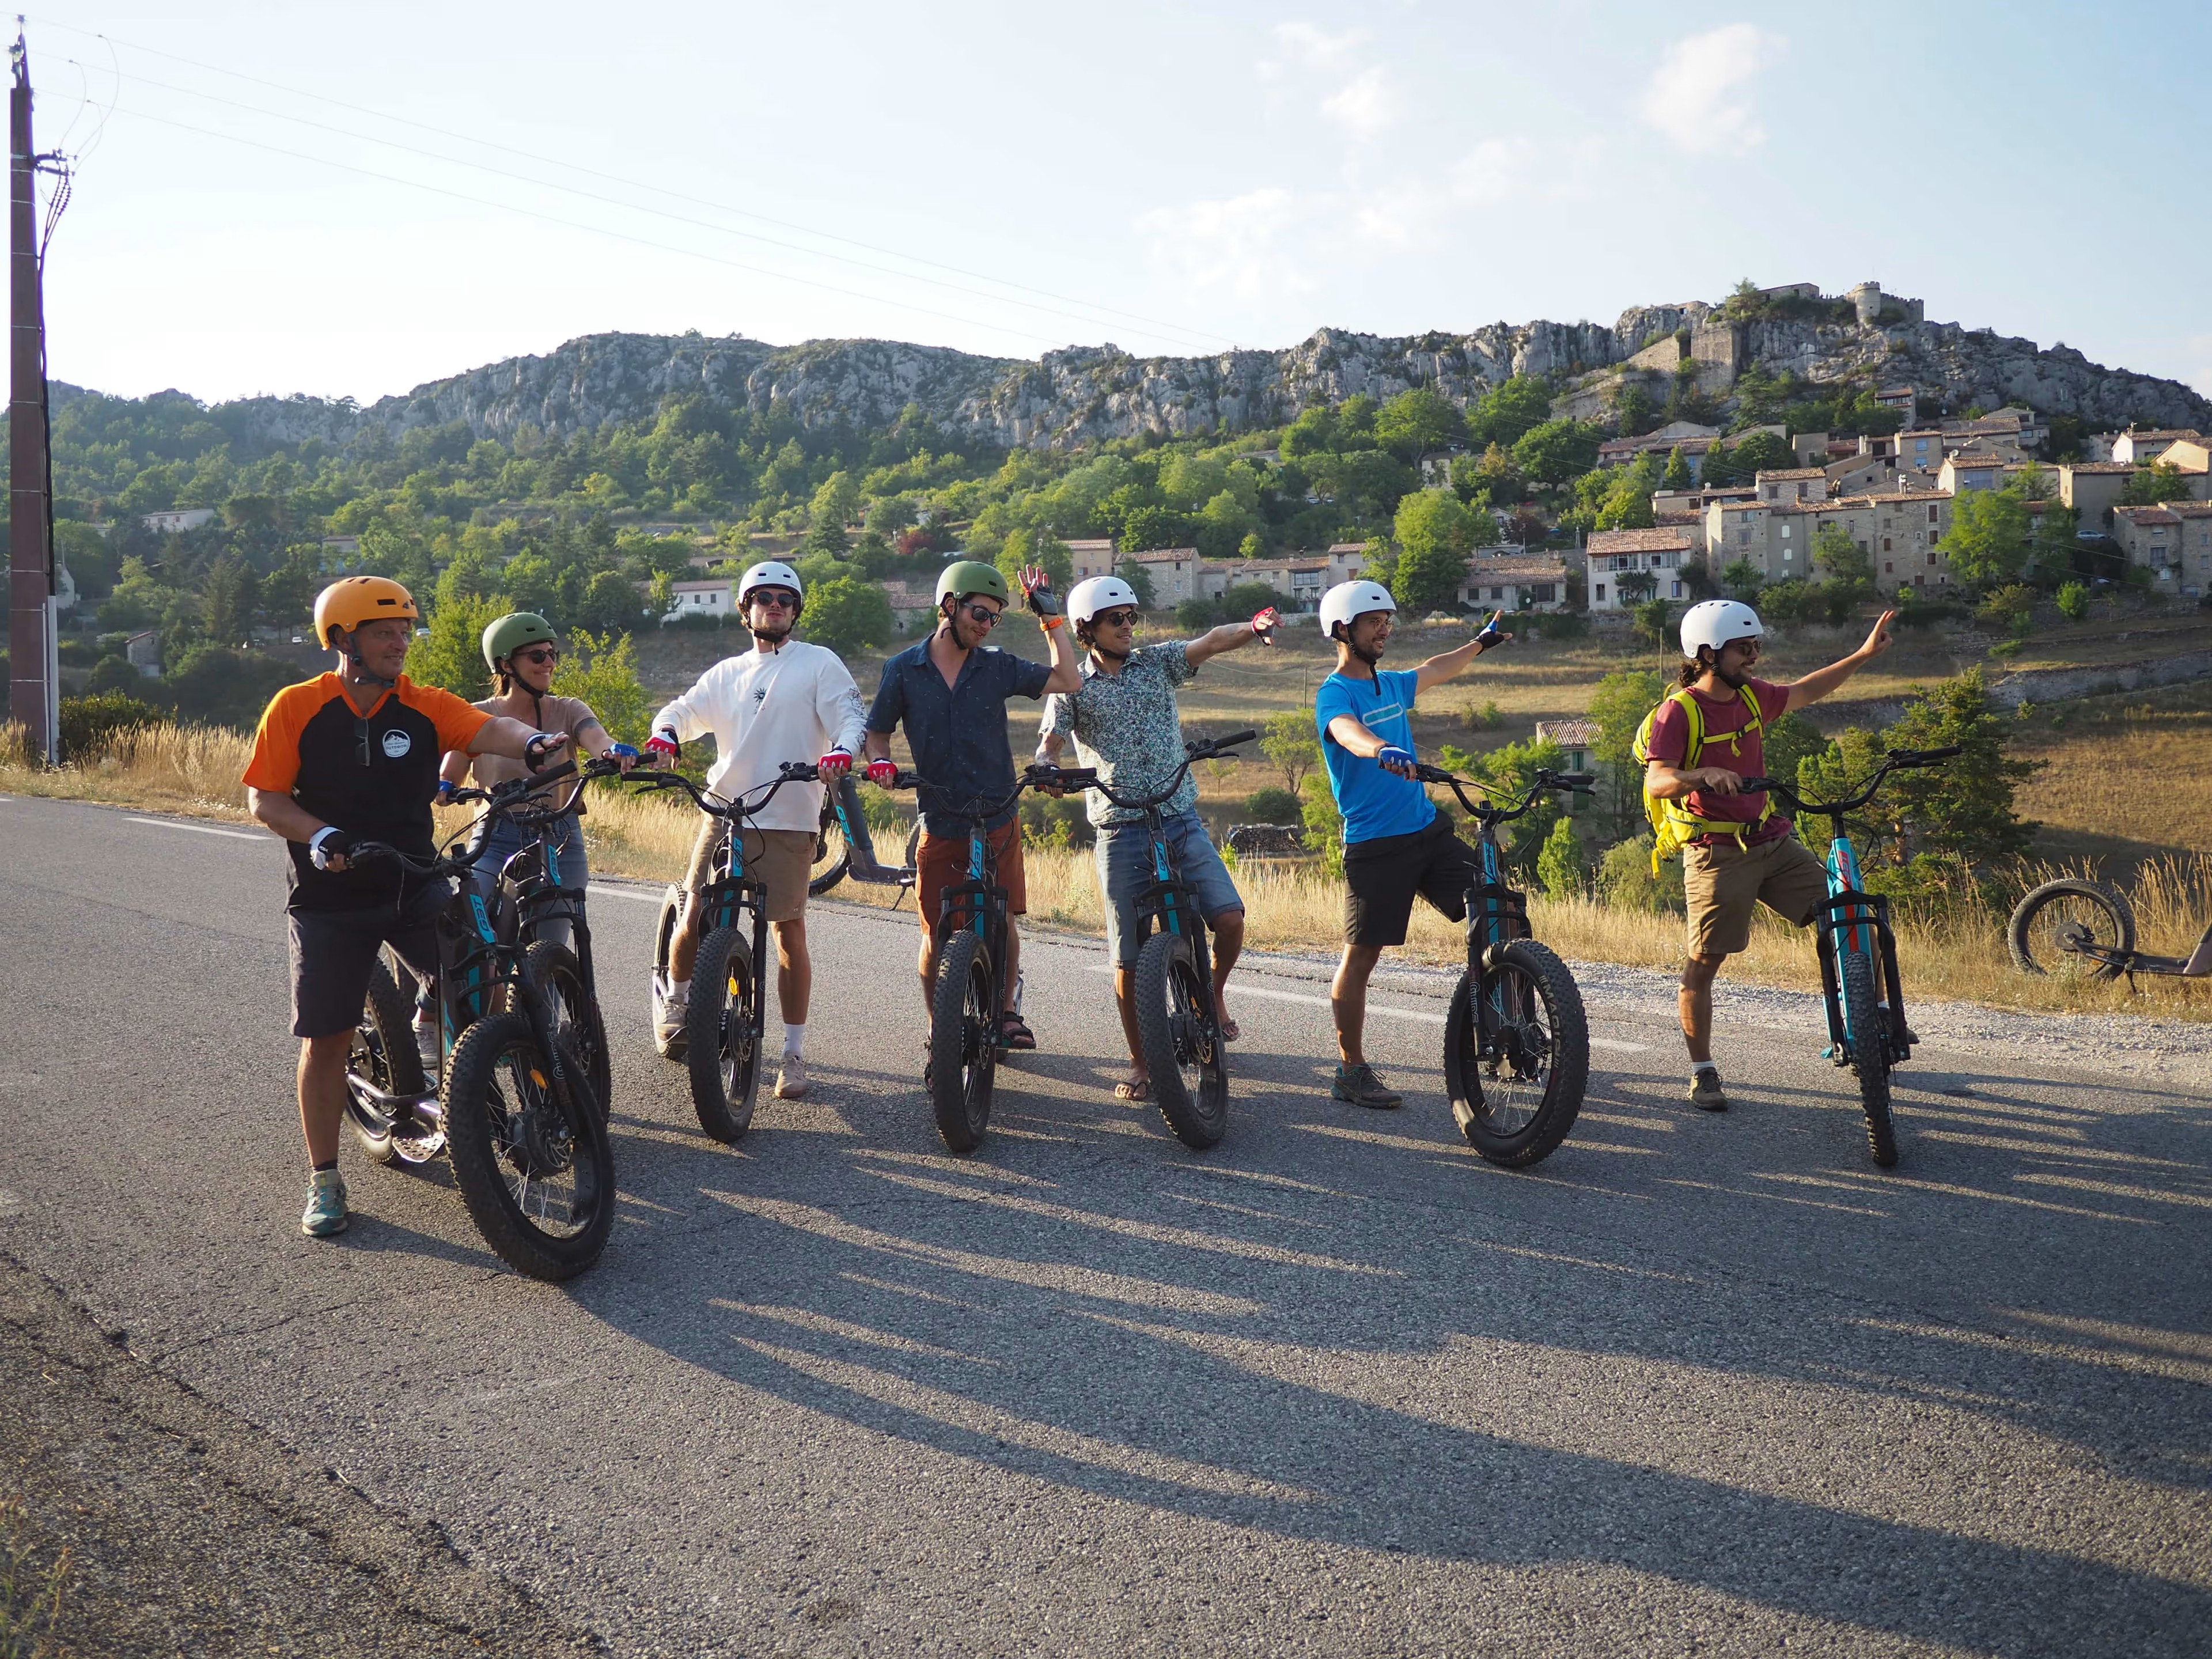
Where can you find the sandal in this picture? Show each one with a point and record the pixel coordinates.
(1141, 1090)
(1013, 1033)
(1229, 1029)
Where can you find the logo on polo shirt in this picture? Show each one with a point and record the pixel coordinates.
(397, 743)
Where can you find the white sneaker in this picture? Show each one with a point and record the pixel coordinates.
(791, 1080)
(426, 1047)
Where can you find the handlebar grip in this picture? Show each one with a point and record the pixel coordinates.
(1758, 785)
(1923, 757)
(1234, 738)
(567, 769)
(1578, 780)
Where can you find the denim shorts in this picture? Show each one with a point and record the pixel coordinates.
(565, 836)
(1125, 868)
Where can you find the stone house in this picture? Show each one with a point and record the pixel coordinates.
(1176, 574)
(1905, 399)
(2173, 542)
(1515, 584)
(1857, 475)
(1792, 484)
(1922, 449)
(1576, 739)
(2092, 489)
(1658, 553)
(699, 598)
(1962, 470)
(1906, 526)
(2140, 446)
(1092, 556)
(910, 607)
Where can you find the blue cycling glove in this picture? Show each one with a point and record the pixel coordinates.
(1392, 755)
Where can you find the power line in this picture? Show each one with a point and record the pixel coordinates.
(610, 201)
(576, 224)
(720, 207)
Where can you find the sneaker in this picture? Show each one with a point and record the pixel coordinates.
(669, 1013)
(1705, 1090)
(426, 1047)
(791, 1079)
(1358, 1085)
(326, 1213)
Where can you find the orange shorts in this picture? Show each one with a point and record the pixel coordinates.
(941, 861)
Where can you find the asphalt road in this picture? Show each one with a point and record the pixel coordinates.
(1697, 1384)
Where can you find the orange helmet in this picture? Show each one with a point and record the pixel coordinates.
(354, 600)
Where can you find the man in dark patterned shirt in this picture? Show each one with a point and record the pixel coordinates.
(1125, 723)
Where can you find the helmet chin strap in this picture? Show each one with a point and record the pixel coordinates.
(360, 667)
(1106, 651)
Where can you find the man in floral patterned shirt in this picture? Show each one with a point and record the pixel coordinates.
(1125, 723)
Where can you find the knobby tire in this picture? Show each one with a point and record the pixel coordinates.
(383, 1055)
(833, 854)
(554, 971)
(963, 1041)
(1867, 1022)
(1542, 999)
(721, 1033)
(663, 943)
(535, 1170)
(1183, 1046)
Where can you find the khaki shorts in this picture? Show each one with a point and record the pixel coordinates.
(1724, 881)
(781, 859)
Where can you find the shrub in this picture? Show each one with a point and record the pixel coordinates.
(1624, 879)
(1488, 718)
(1562, 865)
(88, 723)
(113, 674)
(1272, 805)
(2074, 601)
(1324, 823)
(1060, 824)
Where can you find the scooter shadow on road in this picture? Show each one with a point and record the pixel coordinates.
(1256, 1337)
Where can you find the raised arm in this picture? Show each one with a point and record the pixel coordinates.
(1352, 735)
(1821, 680)
(1229, 636)
(1438, 669)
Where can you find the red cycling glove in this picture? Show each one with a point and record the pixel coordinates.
(883, 772)
(833, 765)
(661, 748)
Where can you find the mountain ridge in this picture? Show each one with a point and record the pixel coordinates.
(1081, 394)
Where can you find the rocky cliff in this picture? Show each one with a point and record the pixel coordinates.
(1085, 394)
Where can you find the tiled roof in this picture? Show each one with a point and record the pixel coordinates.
(1494, 572)
(1764, 474)
(1745, 506)
(2163, 432)
(2146, 515)
(1158, 553)
(1638, 541)
(1568, 734)
(2096, 466)
(1915, 497)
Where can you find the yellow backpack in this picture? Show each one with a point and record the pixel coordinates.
(1673, 824)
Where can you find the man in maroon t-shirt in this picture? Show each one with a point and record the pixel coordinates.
(1726, 877)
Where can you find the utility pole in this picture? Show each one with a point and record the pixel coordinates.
(32, 669)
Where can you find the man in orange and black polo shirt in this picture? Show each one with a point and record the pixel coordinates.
(350, 757)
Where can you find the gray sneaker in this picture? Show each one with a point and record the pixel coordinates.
(791, 1080)
(326, 1213)
(669, 1013)
(1705, 1090)
(1358, 1085)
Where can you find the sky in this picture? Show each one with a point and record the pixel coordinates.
(349, 200)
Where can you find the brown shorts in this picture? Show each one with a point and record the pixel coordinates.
(782, 859)
(1724, 881)
(941, 861)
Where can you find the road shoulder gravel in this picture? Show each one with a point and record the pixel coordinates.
(189, 1531)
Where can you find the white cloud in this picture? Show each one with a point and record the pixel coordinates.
(1495, 170)
(1697, 96)
(1242, 243)
(1364, 106)
(1301, 46)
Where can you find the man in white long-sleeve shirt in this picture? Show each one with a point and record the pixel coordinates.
(783, 700)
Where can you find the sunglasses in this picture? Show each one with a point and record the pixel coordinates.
(773, 598)
(539, 657)
(982, 614)
(1114, 619)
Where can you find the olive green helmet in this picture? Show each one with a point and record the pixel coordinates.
(965, 576)
(511, 632)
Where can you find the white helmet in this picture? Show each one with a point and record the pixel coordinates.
(770, 573)
(1097, 594)
(1716, 622)
(1348, 600)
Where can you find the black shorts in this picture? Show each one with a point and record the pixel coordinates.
(334, 953)
(1382, 876)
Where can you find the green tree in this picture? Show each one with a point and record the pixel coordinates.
(846, 615)
(1655, 618)
(230, 596)
(1628, 501)
(836, 502)
(1717, 470)
(1562, 863)
(1743, 579)
(2052, 543)
(1324, 823)
(1677, 476)
(1414, 424)
(2074, 601)
(1847, 568)
(1512, 770)
(1631, 410)
(611, 604)
(1987, 541)
(1141, 583)
(601, 668)
(1289, 741)
(1556, 452)
(1435, 535)
(451, 653)
(1502, 415)
(1022, 548)
(2160, 482)
(1761, 451)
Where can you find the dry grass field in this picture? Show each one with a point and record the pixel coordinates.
(195, 771)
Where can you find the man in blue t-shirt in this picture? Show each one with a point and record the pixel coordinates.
(1395, 842)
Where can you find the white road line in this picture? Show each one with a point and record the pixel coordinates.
(1421, 1015)
(202, 829)
(598, 891)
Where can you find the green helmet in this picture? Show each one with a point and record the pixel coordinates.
(965, 576)
(511, 632)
